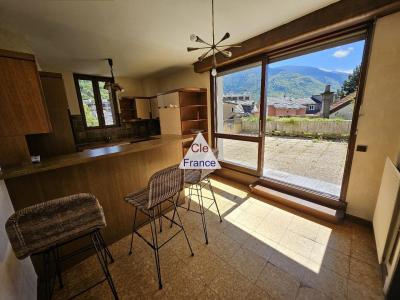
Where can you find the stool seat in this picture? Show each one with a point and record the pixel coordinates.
(139, 199)
(195, 176)
(39, 227)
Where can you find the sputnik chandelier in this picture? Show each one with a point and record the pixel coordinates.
(214, 47)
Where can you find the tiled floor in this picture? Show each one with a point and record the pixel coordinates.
(259, 251)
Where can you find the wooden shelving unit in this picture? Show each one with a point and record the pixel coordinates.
(128, 109)
(184, 111)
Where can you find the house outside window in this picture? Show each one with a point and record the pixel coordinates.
(98, 105)
(311, 107)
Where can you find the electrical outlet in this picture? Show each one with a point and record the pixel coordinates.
(362, 148)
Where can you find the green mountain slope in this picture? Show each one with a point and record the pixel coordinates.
(294, 85)
(292, 81)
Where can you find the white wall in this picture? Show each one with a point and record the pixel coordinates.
(379, 122)
(17, 278)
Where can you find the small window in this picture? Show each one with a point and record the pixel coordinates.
(311, 107)
(98, 105)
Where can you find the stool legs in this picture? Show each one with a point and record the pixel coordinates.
(153, 214)
(215, 201)
(190, 197)
(56, 257)
(154, 236)
(102, 254)
(199, 194)
(107, 252)
(47, 278)
(181, 225)
(160, 217)
(133, 230)
(155, 246)
(202, 211)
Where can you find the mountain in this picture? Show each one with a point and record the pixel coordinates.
(292, 81)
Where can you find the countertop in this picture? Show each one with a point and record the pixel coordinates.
(89, 156)
(114, 142)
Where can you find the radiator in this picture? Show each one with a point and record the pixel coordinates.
(386, 220)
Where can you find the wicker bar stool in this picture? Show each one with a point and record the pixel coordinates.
(163, 186)
(41, 229)
(197, 179)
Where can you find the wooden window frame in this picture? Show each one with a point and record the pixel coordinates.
(256, 139)
(97, 98)
(364, 30)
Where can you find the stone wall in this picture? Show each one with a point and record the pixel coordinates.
(297, 127)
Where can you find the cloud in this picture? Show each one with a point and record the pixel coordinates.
(345, 71)
(326, 70)
(340, 53)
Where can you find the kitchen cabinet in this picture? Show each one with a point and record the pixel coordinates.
(22, 107)
(61, 139)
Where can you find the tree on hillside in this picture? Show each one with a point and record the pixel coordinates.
(351, 83)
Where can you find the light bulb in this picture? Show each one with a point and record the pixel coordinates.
(214, 72)
(193, 37)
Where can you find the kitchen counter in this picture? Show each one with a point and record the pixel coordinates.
(109, 173)
(114, 142)
(90, 155)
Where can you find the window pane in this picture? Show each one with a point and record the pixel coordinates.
(88, 102)
(240, 153)
(238, 101)
(310, 106)
(107, 105)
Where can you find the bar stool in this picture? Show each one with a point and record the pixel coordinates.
(43, 228)
(163, 186)
(197, 179)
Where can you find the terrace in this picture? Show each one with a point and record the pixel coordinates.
(315, 164)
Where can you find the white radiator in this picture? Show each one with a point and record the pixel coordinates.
(386, 220)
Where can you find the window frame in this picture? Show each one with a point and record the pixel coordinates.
(263, 60)
(307, 45)
(98, 101)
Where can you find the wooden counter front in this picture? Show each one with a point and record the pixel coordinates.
(62, 161)
(109, 179)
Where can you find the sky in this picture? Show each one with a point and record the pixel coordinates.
(343, 58)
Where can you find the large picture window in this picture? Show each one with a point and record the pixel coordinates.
(98, 105)
(289, 116)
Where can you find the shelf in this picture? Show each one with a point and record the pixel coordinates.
(193, 134)
(194, 105)
(194, 120)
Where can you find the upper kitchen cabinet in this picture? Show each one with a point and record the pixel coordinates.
(61, 139)
(22, 106)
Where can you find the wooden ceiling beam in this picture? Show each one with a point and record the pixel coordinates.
(331, 18)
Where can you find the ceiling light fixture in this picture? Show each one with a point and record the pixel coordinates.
(214, 47)
(112, 86)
